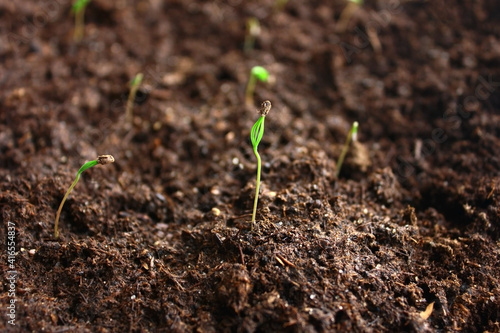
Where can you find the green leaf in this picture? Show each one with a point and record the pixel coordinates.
(257, 132)
(260, 73)
(87, 165)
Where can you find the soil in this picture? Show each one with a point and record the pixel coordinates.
(406, 239)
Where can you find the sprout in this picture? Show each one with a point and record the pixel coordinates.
(345, 16)
(257, 73)
(134, 86)
(256, 135)
(253, 31)
(351, 136)
(103, 159)
(79, 10)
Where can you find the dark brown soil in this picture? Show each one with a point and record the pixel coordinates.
(160, 241)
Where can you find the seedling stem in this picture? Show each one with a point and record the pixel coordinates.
(253, 31)
(79, 10)
(103, 159)
(134, 86)
(256, 135)
(257, 73)
(345, 16)
(351, 136)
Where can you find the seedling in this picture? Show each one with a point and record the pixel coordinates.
(103, 159)
(79, 10)
(253, 31)
(257, 73)
(345, 16)
(134, 86)
(256, 135)
(351, 136)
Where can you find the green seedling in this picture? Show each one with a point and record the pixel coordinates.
(78, 9)
(256, 135)
(257, 73)
(134, 86)
(103, 159)
(345, 16)
(351, 136)
(253, 31)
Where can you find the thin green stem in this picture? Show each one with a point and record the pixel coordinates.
(79, 25)
(345, 16)
(134, 86)
(257, 185)
(351, 136)
(78, 9)
(56, 225)
(253, 31)
(252, 80)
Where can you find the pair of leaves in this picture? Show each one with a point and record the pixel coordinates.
(260, 73)
(257, 132)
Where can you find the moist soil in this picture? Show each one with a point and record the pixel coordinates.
(405, 239)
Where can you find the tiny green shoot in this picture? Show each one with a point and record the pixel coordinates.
(345, 16)
(78, 9)
(134, 86)
(351, 136)
(103, 159)
(256, 135)
(253, 31)
(257, 73)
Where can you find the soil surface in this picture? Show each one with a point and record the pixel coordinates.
(406, 239)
